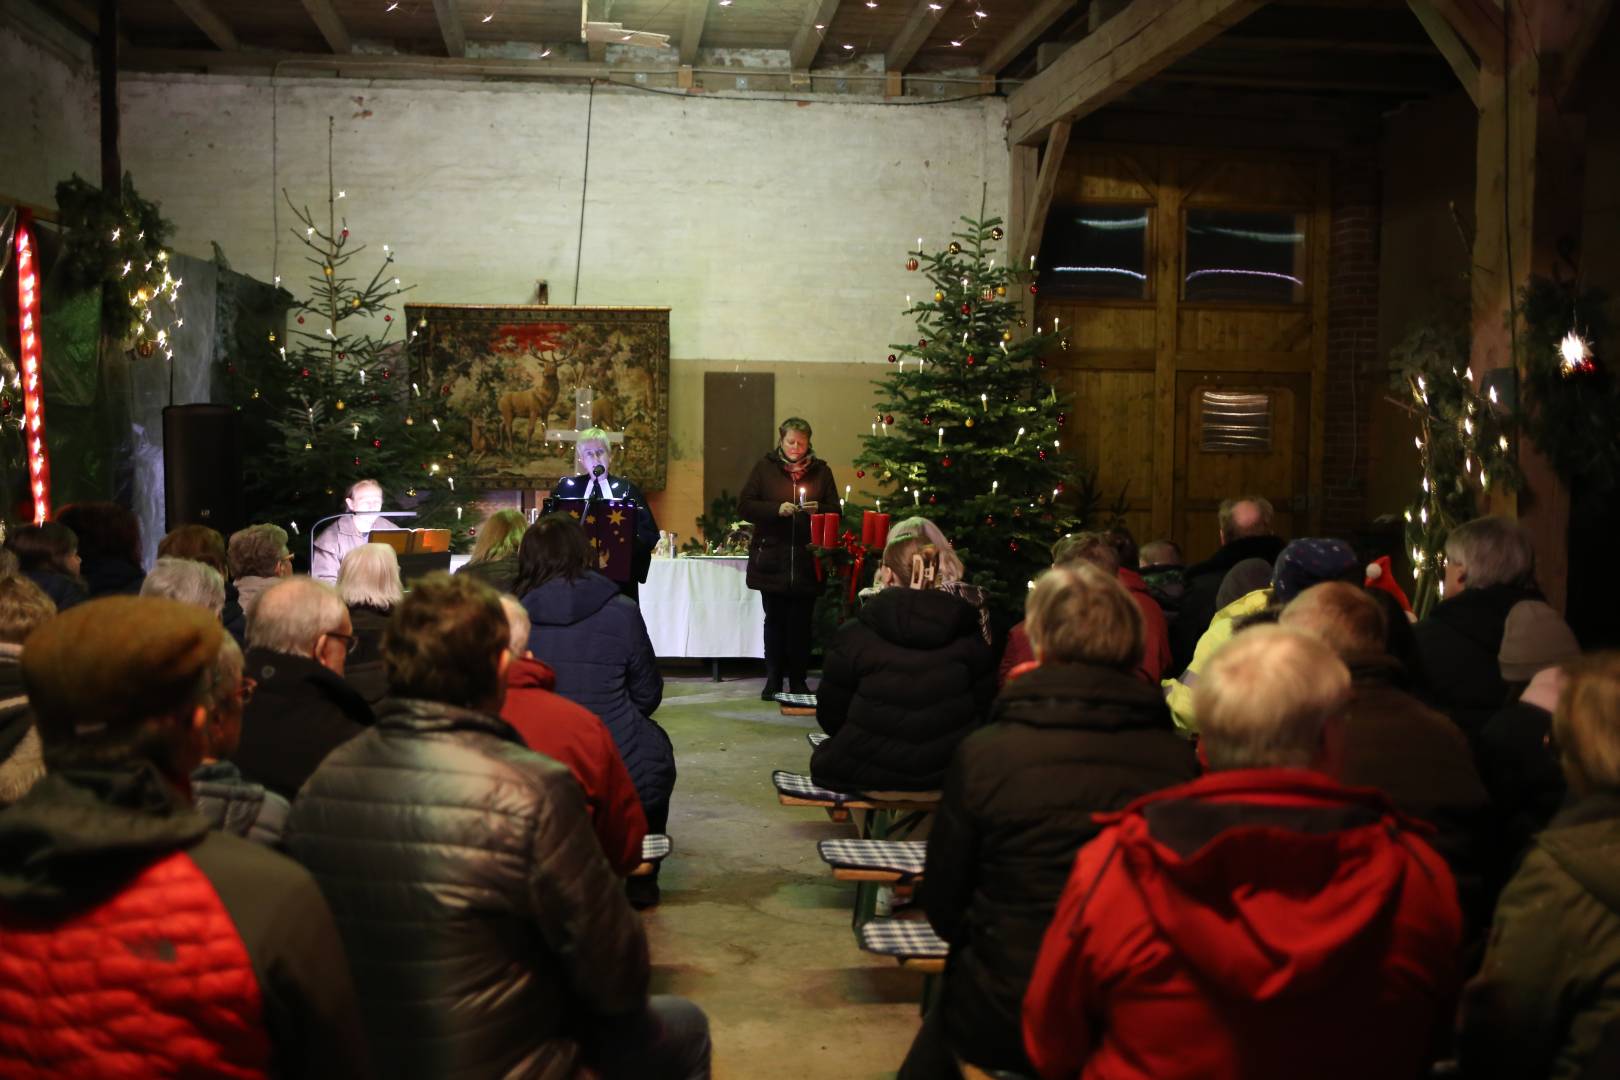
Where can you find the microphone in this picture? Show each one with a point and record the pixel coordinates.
(598, 471)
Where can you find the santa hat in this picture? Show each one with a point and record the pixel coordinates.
(1381, 576)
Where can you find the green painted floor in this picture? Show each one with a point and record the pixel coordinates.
(752, 926)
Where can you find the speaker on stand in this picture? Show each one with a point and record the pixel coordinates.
(202, 467)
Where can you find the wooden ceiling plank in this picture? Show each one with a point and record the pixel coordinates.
(450, 27)
(697, 13)
(1040, 202)
(1125, 52)
(86, 16)
(1451, 47)
(329, 24)
(209, 22)
(918, 25)
(807, 41)
(1031, 27)
(1479, 27)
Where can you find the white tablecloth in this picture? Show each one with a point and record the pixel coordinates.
(702, 608)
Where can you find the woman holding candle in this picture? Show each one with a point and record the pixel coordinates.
(785, 487)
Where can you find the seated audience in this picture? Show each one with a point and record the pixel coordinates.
(488, 934)
(1526, 783)
(952, 574)
(1243, 579)
(494, 558)
(1549, 991)
(552, 725)
(1244, 526)
(903, 683)
(48, 555)
(109, 547)
(188, 582)
(23, 607)
(138, 942)
(1262, 922)
(218, 789)
(593, 638)
(1078, 735)
(1303, 563)
(299, 637)
(1397, 744)
(259, 558)
(1162, 569)
(368, 581)
(1490, 568)
(201, 544)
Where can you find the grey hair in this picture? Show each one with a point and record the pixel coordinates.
(369, 575)
(255, 550)
(291, 616)
(1266, 698)
(186, 581)
(227, 670)
(1495, 551)
(517, 617)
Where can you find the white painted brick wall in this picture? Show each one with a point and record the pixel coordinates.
(49, 121)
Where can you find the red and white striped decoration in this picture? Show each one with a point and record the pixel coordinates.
(39, 468)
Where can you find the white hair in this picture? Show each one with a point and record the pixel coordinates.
(517, 617)
(292, 614)
(1266, 698)
(186, 581)
(1494, 550)
(369, 575)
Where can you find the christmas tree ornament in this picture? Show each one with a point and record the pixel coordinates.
(411, 492)
(932, 500)
(928, 421)
(945, 462)
(339, 405)
(255, 394)
(343, 356)
(409, 421)
(300, 323)
(1032, 289)
(388, 318)
(444, 391)
(987, 293)
(893, 358)
(303, 373)
(272, 337)
(954, 248)
(357, 461)
(996, 233)
(968, 421)
(1001, 290)
(328, 270)
(912, 264)
(970, 361)
(388, 373)
(5, 406)
(1012, 545)
(308, 445)
(376, 444)
(889, 418)
(938, 295)
(145, 347)
(345, 234)
(860, 474)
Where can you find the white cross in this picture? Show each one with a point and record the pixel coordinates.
(584, 402)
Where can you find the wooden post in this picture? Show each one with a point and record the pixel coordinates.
(112, 167)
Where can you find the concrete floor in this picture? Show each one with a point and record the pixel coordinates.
(752, 926)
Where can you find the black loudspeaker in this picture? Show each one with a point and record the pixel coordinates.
(202, 467)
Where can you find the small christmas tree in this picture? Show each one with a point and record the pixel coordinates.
(967, 432)
(337, 402)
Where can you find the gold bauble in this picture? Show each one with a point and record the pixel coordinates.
(340, 405)
(954, 248)
(938, 296)
(1006, 335)
(1001, 290)
(996, 233)
(969, 421)
(409, 421)
(357, 301)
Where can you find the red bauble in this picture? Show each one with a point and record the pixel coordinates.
(387, 373)
(945, 462)
(343, 356)
(989, 519)
(230, 369)
(888, 419)
(967, 309)
(1032, 290)
(922, 343)
(376, 444)
(300, 320)
(1063, 418)
(932, 500)
(472, 530)
(444, 390)
(357, 461)
(424, 464)
(912, 264)
(893, 358)
(859, 473)
(388, 318)
(345, 234)
(970, 361)
(5, 406)
(1012, 545)
(304, 373)
(1042, 453)
(928, 421)
(1060, 487)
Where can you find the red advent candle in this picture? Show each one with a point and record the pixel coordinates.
(868, 528)
(829, 530)
(881, 532)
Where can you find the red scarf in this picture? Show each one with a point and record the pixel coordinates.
(794, 469)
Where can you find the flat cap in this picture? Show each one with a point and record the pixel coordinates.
(113, 662)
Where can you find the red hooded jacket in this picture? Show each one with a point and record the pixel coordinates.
(1250, 925)
(571, 734)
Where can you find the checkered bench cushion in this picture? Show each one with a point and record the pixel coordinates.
(816, 738)
(797, 701)
(903, 939)
(899, 856)
(654, 846)
(801, 786)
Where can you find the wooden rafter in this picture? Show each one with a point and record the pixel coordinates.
(918, 25)
(1478, 23)
(697, 13)
(1022, 36)
(330, 26)
(1040, 201)
(597, 11)
(209, 22)
(84, 14)
(1445, 38)
(807, 41)
(1127, 50)
(450, 27)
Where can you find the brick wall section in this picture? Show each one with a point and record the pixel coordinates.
(1352, 342)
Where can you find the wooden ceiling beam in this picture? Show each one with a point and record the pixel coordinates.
(807, 41)
(209, 22)
(85, 16)
(1022, 36)
(1126, 51)
(918, 25)
(329, 24)
(596, 11)
(697, 13)
(451, 27)
(1572, 65)
(1451, 47)
(1040, 201)
(1477, 22)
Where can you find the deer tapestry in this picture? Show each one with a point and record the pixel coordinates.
(516, 382)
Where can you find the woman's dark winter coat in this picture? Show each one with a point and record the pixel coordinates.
(498, 574)
(64, 589)
(110, 576)
(779, 557)
(364, 670)
(484, 928)
(1458, 644)
(1065, 741)
(904, 682)
(595, 641)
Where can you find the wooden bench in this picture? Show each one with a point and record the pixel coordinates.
(913, 945)
(873, 864)
(883, 811)
(797, 704)
(654, 848)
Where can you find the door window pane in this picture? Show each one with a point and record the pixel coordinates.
(1241, 256)
(1096, 251)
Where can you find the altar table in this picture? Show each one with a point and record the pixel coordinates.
(702, 608)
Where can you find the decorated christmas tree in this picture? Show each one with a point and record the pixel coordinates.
(337, 403)
(967, 431)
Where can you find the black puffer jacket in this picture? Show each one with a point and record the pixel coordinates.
(1065, 741)
(1457, 644)
(481, 919)
(904, 682)
(299, 713)
(779, 554)
(1203, 585)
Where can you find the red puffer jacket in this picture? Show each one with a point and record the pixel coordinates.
(1249, 925)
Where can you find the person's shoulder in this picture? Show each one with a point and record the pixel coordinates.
(245, 868)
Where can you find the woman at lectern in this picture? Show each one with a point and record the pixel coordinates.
(779, 496)
(592, 453)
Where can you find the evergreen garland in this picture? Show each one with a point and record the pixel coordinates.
(117, 242)
(1571, 406)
